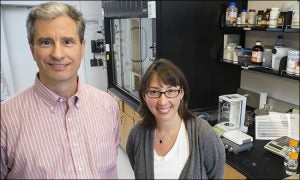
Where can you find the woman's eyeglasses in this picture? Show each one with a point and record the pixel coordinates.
(169, 93)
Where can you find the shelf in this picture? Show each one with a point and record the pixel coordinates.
(265, 70)
(237, 29)
(275, 73)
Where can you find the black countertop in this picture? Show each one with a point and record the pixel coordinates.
(257, 163)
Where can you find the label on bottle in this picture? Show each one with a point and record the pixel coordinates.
(231, 17)
(257, 56)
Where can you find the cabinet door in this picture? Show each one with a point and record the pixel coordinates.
(231, 173)
(126, 124)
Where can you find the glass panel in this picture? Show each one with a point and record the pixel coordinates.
(133, 46)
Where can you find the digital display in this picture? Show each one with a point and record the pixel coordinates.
(275, 146)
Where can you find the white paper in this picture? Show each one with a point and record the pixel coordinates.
(270, 127)
(276, 125)
(294, 126)
(151, 9)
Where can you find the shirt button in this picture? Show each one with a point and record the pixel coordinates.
(69, 119)
(75, 144)
(61, 100)
(80, 169)
(52, 109)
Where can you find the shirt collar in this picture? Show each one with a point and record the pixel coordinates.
(50, 97)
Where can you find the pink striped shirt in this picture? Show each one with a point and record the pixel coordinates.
(46, 136)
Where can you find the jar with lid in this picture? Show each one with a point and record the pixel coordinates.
(295, 20)
(229, 52)
(259, 17)
(292, 61)
(244, 17)
(274, 14)
(237, 53)
(257, 53)
(251, 17)
(231, 14)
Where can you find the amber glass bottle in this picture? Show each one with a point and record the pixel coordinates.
(257, 53)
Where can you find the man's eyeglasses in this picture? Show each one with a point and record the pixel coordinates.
(172, 93)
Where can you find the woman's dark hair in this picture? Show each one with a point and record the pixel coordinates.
(171, 75)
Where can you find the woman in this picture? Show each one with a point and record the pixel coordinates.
(170, 142)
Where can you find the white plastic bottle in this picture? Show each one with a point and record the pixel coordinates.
(231, 14)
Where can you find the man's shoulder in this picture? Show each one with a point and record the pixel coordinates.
(95, 91)
(19, 98)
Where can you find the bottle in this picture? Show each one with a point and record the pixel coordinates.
(279, 41)
(231, 14)
(264, 21)
(274, 14)
(252, 17)
(295, 19)
(280, 20)
(259, 17)
(239, 21)
(267, 13)
(237, 54)
(257, 53)
(229, 52)
(292, 164)
(292, 61)
(293, 147)
(244, 17)
(267, 58)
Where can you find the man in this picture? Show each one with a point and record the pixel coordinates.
(60, 127)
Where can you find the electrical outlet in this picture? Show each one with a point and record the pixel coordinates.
(94, 62)
(100, 62)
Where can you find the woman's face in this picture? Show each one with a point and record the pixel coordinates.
(163, 108)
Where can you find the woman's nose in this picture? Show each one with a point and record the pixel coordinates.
(162, 98)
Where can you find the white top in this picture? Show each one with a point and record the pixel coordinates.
(171, 165)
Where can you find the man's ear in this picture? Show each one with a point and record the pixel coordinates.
(32, 50)
(83, 46)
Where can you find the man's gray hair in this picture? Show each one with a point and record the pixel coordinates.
(51, 10)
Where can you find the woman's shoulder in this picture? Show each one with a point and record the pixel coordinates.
(137, 130)
(200, 127)
(199, 123)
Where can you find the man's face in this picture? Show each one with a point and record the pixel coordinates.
(57, 50)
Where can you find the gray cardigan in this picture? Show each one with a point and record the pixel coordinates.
(206, 159)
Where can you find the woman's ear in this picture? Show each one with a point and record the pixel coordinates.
(182, 94)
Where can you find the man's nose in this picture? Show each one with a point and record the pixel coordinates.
(57, 51)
